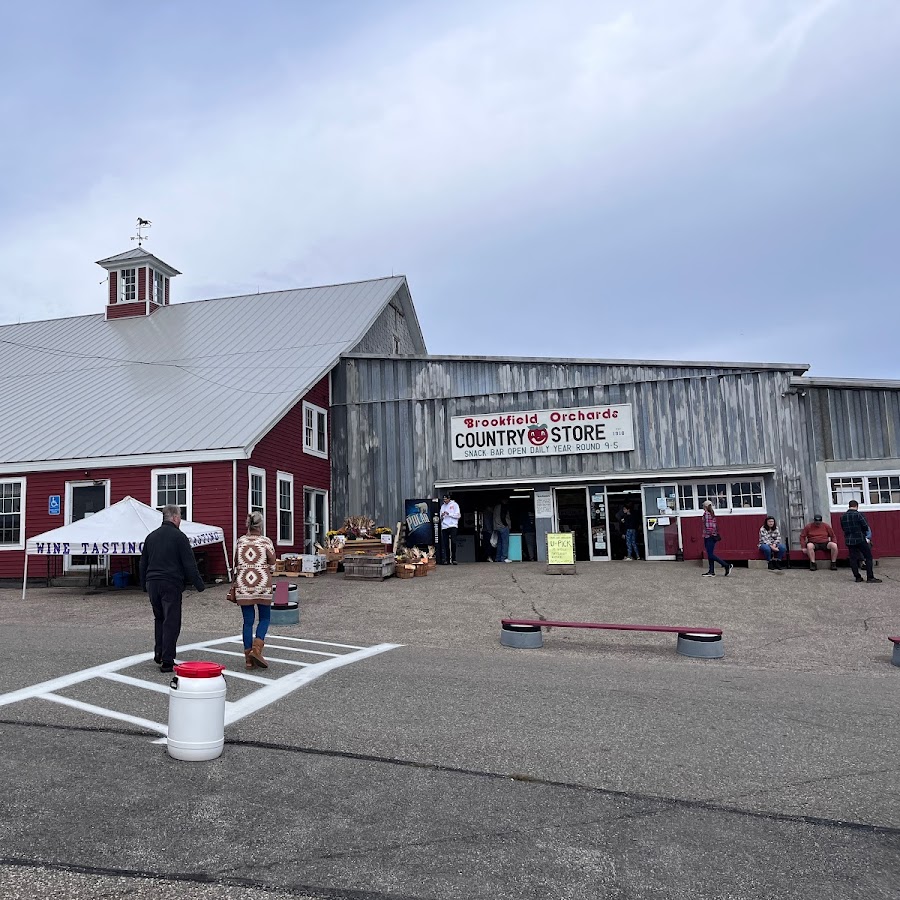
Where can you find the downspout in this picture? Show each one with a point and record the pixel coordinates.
(233, 507)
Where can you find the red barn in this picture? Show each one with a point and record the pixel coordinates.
(219, 406)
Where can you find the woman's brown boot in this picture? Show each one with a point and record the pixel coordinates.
(248, 660)
(256, 653)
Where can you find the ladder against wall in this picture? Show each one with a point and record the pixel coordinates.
(796, 519)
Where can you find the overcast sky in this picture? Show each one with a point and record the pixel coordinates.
(682, 179)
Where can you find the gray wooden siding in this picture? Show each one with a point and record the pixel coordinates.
(391, 422)
(389, 334)
(855, 424)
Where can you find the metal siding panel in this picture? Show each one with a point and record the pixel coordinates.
(199, 353)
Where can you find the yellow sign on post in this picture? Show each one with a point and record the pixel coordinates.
(560, 549)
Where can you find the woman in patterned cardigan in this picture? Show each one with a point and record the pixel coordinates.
(254, 561)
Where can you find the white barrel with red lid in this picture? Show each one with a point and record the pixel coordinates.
(197, 711)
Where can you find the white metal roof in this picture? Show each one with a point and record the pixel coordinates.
(211, 375)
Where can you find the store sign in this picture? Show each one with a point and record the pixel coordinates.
(543, 432)
(560, 549)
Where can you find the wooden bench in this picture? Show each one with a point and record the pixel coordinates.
(895, 657)
(705, 643)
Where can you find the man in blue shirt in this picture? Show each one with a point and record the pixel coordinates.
(855, 528)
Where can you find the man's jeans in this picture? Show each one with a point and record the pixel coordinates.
(857, 552)
(165, 598)
(502, 544)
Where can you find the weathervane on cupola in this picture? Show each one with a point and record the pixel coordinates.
(138, 280)
(140, 237)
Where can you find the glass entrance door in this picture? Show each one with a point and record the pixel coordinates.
(572, 515)
(315, 519)
(83, 499)
(599, 522)
(662, 527)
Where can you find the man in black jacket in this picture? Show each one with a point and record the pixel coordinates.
(167, 560)
(856, 529)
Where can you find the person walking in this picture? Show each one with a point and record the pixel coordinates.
(628, 519)
(502, 524)
(449, 524)
(167, 561)
(254, 559)
(771, 544)
(817, 535)
(856, 529)
(710, 538)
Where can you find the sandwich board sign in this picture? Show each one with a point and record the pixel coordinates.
(560, 549)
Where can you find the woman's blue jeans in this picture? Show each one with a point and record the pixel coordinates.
(631, 547)
(249, 614)
(780, 550)
(710, 546)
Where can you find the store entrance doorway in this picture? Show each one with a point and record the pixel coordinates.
(572, 515)
(618, 499)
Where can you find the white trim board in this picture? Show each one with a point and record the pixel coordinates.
(657, 477)
(160, 460)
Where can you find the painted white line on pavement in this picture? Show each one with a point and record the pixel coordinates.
(301, 650)
(290, 662)
(65, 681)
(106, 713)
(136, 682)
(269, 646)
(284, 637)
(228, 673)
(288, 683)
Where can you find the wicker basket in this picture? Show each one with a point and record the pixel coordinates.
(421, 570)
(404, 570)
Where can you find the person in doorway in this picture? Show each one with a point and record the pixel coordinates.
(817, 535)
(449, 524)
(502, 524)
(710, 538)
(629, 522)
(254, 560)
(771, 544)
(855, 528)
(167, 561)
(487, 529)
(529, 535)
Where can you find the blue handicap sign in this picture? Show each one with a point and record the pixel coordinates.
(54, 505)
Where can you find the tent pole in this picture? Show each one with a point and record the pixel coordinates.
(25, 574)
(227, 563)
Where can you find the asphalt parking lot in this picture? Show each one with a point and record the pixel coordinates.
(602, 765)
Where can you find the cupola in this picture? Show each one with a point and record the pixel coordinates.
(138, 283)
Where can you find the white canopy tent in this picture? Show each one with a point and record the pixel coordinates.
(118, 530)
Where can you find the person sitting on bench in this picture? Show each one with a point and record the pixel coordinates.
(817, 535)
(770, 543)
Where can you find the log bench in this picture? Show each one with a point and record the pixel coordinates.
(702, 643)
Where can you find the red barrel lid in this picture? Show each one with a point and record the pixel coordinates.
(197, 668)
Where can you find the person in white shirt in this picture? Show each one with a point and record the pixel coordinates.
(449, 523)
